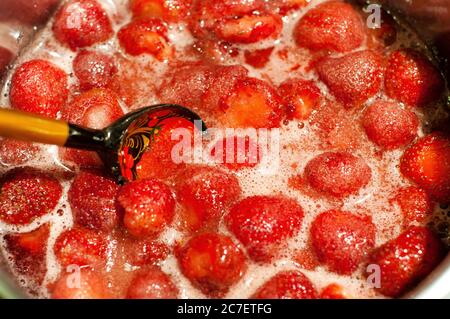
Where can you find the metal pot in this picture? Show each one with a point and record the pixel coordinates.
(430, 18)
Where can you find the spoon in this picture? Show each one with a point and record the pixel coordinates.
(131, 135)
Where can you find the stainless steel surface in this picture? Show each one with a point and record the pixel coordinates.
(431, 19)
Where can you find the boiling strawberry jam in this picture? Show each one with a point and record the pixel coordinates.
(345, 203)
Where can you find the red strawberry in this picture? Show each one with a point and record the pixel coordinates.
(300, 97)
(15, 152)
(149, 207)
(92, 199)
(96, 109)
(207, 15)
(145, 252)
(152, 283)
(258, 58)
(337, 174)
(200, 86)
(26, 194)
(332, 291)
(412, 79)
(205, 194)
(285, 6)
(414, 203)
(252, 103)
(168, 10)
(82, 23)
(159, 162)
(93, 69)
(249, 28)
(28, 252)
(405, 260)
(287, 285)
(145, 36)
(427, 163)
(333, 26)
(353, 78)
(86, 284)
(82, 247)
(306, 259)
(383, 35)
(389, 125)
(342, 240)
(28, 12)
(236, 152)
(39, 87)
(6, 57)
(264, 223)
(212, 262)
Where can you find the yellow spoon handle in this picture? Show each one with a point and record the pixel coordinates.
(33, 128)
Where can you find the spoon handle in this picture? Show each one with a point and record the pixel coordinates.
(34, 128)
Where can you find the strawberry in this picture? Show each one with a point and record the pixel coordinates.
(332, 291)
(159, 162)
(352, 78)
(258, 58)
(335, 126)
(427, 163)
(287, 285)
(6, 56)
(205, 194)
(285, 6)
(333, 26)
(414, 203)
(337, 174)
(224, 79)
(306, 259)
(152, 283)
(39, 87)
(149, 207)
(93, 69)
(96, 109)
(207, 14)
(212, 262)
(252, 103)
(15, 152)
(145, 252)
(85, 284)
(249, 28)
(389, 125)
(28, 251)
(82, 23)
(27, 12)
(236, 152)
(167, 10)
(412, 79)
(264, 223)
(92, 199)
(342, 240)
(200, 86)
(405, 260)
(27, 194)
(82, 247)
(300, 97)
(145, 36)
